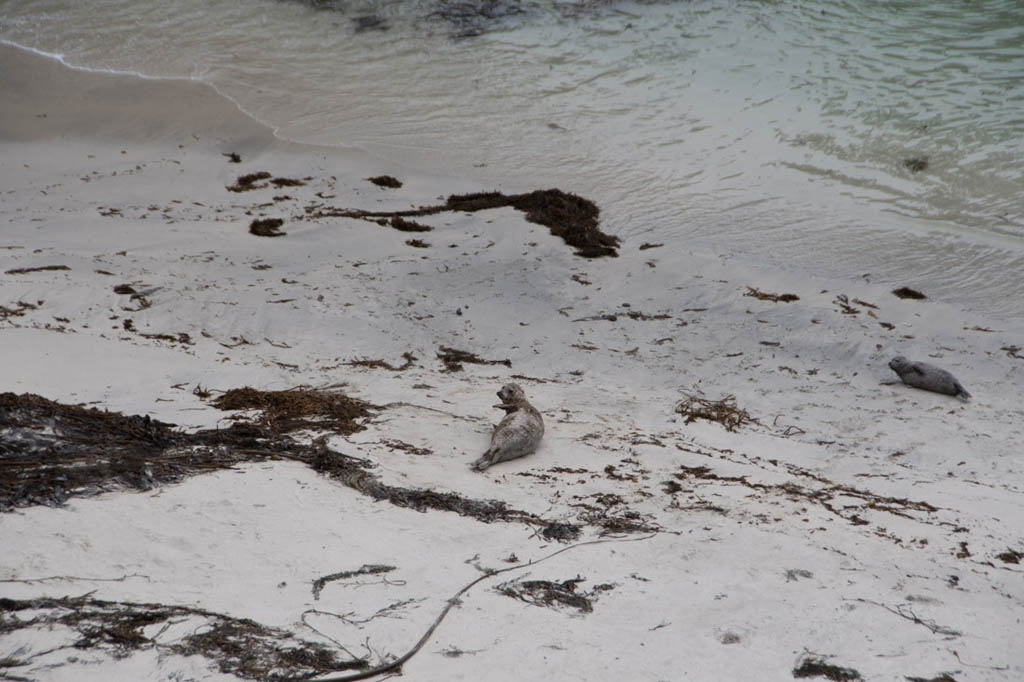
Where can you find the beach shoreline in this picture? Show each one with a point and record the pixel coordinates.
(131, 281)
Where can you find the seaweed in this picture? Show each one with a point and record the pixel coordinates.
(562, 532)
(566, 215)
(409, 358)
(551, 594)
(404, 225)
(572, 218)
(238, 646)
(267, 227)
(50, 451)
(812, 666)
(19, 311)
(365, 569)
(723, 411)
(417, 243)
(233, 157)
(286, 182)
(298, 408)
(775, 298)
(453, 359)
(386, 181)
(245, 183)
(41, 268)
(1010, 556)
(907, 292)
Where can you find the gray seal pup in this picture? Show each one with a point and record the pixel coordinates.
(517, 434)
(928, 377)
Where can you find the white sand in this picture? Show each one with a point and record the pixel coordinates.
(756, 564)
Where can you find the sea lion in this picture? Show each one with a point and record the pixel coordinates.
(928, 377)
(517, 434)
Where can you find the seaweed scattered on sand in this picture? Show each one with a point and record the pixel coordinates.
(404, 225)
(417, 243)
(386, 181)
(233, 157)
(50, 451)
(409, 358)
(566, 215)
(41, 268)
(724, 411)
(941, 677)
(298, 408)
(562, 532)
(267, 227)
(453, 359)
(238, 646)
(365, 569)
(287, 182)
(812, 666)
(907, 292)
(570, 217)
(20, 310)
(776, 298)
(1010, 556)
(245, 183)
(552, 594)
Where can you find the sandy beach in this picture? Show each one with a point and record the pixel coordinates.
(849, 525)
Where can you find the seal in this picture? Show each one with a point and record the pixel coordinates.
(517, 434)
(928, 377)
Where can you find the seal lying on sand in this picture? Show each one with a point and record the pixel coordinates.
(928, 377)
(517, 434)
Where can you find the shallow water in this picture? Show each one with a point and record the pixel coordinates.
(784, 133)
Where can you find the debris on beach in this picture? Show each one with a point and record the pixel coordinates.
(365, 569)
(812, 666)
(288, 182)
(775, 298)
(267, 227)
(724, 411)
(409, 358)
(907, 292)
(50, 451)
(245, 183)
(404, 225)
(41, 268)
(568, 216)
(552, 594)
(386, 181)
(453, 359)
(238, 646)
(233, 157)
(298, 408)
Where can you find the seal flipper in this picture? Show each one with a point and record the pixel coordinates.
(484, 461)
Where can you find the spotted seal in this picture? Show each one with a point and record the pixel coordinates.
(517, 434)
(928, 377)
